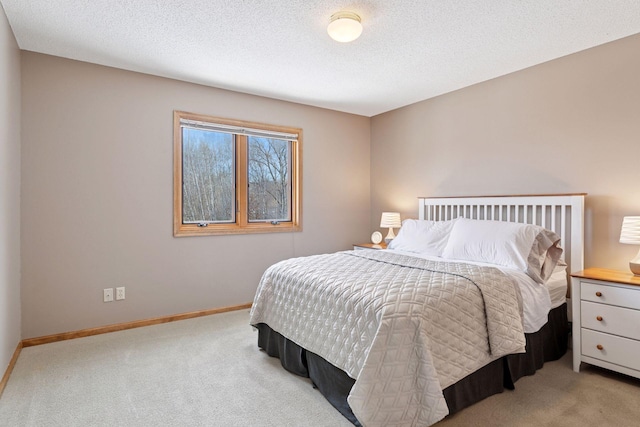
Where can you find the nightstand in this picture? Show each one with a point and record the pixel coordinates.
(369, 246)
(606, 320)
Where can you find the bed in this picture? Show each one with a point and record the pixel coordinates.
(412, 334)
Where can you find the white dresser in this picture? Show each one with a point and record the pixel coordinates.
(606, 320)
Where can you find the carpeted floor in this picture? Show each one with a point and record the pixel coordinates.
(209, 372)
(557, 396)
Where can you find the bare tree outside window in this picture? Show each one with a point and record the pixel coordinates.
(269, 184)
(208, 178)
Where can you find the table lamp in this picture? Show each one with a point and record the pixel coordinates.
(630, 235)
(391, 220)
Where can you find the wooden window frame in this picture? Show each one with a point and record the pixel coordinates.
(241, 224)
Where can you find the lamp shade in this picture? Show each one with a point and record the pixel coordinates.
(344, 27)
(630, 233)
(390, 220)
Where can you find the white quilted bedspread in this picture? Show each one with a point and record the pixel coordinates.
(404, 328)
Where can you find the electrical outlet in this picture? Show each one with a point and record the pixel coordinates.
(120, 293)
(107, 294)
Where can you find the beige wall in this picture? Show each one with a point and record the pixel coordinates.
(569, 125)
(9, 193)
(97, 196)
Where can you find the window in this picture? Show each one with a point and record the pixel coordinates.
(232, 176)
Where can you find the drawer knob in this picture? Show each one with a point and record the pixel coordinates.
(598, 294)
(599, 318)
(599, 347)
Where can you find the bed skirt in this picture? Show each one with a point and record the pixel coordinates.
(549, 343)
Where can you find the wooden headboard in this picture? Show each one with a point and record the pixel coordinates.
(561, 213)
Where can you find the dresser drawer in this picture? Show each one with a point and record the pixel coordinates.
(612, 295)
(617, 350)
(614, 320)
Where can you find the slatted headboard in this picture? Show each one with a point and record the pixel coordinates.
(561, 213)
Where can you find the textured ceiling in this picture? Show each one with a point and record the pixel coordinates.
(410, 50)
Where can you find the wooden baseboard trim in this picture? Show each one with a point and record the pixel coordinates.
(12, 363)
(128, 325)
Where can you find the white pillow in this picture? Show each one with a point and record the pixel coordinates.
(529, 248)
(422, 237)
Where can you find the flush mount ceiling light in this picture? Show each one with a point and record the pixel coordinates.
(344, 27)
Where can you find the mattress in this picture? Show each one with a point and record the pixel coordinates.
(557, 286)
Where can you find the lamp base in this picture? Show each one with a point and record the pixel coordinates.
(634, 265)
(390, 236)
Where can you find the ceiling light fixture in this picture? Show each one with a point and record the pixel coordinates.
(344, 27)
